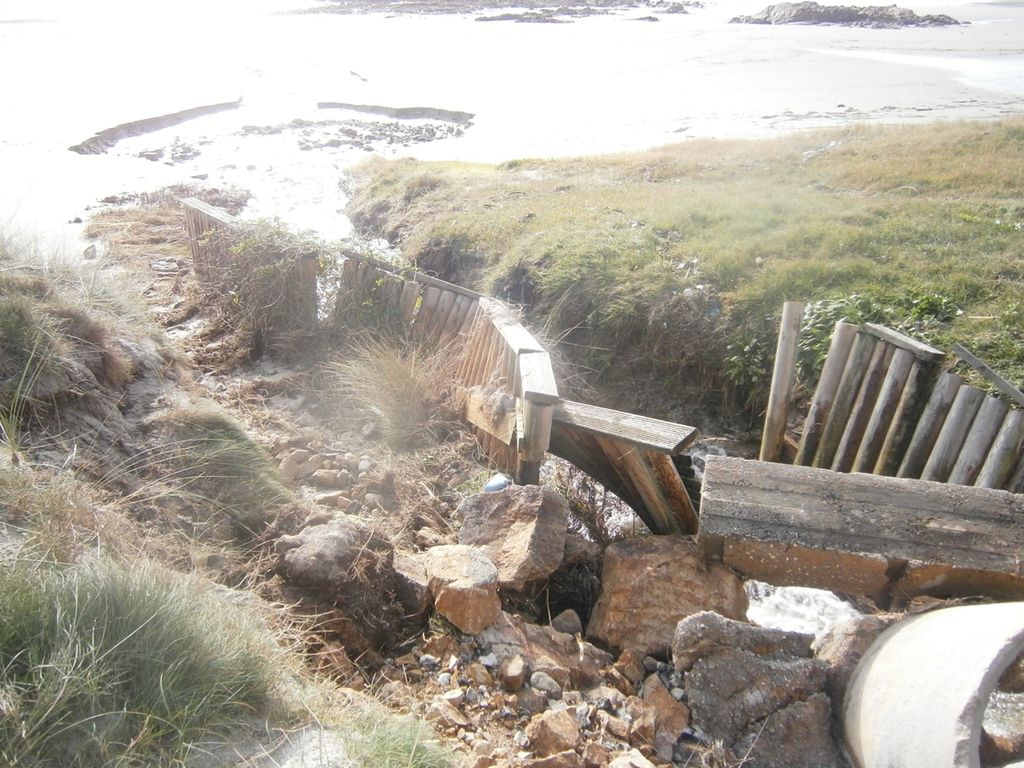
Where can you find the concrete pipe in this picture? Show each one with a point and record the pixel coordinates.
(918, 697)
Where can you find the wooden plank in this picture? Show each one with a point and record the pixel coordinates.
(986, 425)
(518, 338)
(929, 425)
(915, 395)
(217, 214)
(445, 304)
(425, 315)
(885, 407)
(537, 379)
(783, 376)
(860, 413)
(825, 392)
(470, 318)
(849, 385)
(953, 433)
(492, 411)
(1016, 481)
(471, 350)
(917, 348)
(535, 441)
(1005, 452)
(865, 516)
(625, 459)
(673, 490)
(427, 280)
(410, 296)
(655, 434)
(994, 378)
(455, 318)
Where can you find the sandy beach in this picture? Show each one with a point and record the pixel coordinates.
(604, 83)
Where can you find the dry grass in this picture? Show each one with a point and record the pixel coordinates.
(407, 391)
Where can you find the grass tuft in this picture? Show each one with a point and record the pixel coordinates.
(103, 664)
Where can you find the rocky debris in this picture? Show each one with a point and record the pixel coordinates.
(361, 134)
(632, 759)
(671, 717)
(879, 17)
(344, 558)
(464, 586)
(706, 633)
(533, 10)
(521, 530)
(650, 583)
(412, 585)
(765, 704)
(552, 732)
(544, 649)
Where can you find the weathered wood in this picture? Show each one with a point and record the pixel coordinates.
(954, 432)
(427, 280)
(674, 491)
(537, 379)
(981, 367)
(929, 425)
(919, 349)
(860, 413)
(783, 377)
(445, 304)
(849, 385)
(915, 394)
(847, 518)
(1016, 481)
(885, 406)
(425, 315)
(978, 441)
(492, 411)
(654, 434)
(536, 438)
(410, 296)
(518, 338)
(218, 215)
(825, 392)
(1004, 454)
(625, 459)
(455, 318)
(581, 449)
(470, 350)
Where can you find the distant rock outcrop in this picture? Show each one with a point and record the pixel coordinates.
(876, 16)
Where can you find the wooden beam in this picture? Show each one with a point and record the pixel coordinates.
(954, 431)
(673, 489)
(537, 379)
(863, 405)
(654, 434)
(917, 348)
(929, 425)
(885, 407)
(978, 441)
(833, 522)
(217, 214)
(1004, 454)
(913, 399)
(492, 411)
(994, 378)
(849, 385)
(783, 376)
(626, 460)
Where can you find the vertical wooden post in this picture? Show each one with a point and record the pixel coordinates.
(782, 382)
(978, 442)
(908, 412)
(824, 394)
(1004, 454)
(929, 425)
(954, 431)
(885, 408)
(849, 386)
(862, 407)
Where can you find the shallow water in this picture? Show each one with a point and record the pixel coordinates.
(600, 84)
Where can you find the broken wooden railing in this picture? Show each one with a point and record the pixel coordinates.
(211, 232)
(884, 405)
(510, 395)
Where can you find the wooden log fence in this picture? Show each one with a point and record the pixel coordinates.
(884, 406)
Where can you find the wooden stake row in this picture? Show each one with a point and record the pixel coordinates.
(883, 406)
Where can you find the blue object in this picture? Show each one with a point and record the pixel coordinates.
(498, 482)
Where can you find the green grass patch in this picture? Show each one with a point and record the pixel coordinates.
(110, 665)
(676, 261)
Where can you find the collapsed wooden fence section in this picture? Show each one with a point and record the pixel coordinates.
(210, 234)
(884, 405)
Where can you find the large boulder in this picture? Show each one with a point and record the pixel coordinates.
(755, 690)
(649, 583)
(875, 16)
(343, 558)
(464, 585)
(521, 529)
(844, 645)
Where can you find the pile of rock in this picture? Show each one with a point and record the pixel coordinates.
(875, 16)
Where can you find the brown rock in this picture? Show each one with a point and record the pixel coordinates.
(567, 759)
(412, 586)
(580, 550)
(616, 727)
(631, 666)
(671, 717)
(706, 633)
(568, 621)
(552, 732)
(521, 530)
(426, 538)
(325, 478)
(464, 584)
(632, 759)
(796, 736)
(632, 614)
(309, 466)
(530, 701)
(512, 672)
(344, 558)
(617, 679)
(442, 712)
(606, 698)
(595, 755)
(642, 721)
(546, 650)
(290, 464)
(843, 646)
(477, 674)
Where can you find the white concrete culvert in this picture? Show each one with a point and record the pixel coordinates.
(918, 697)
